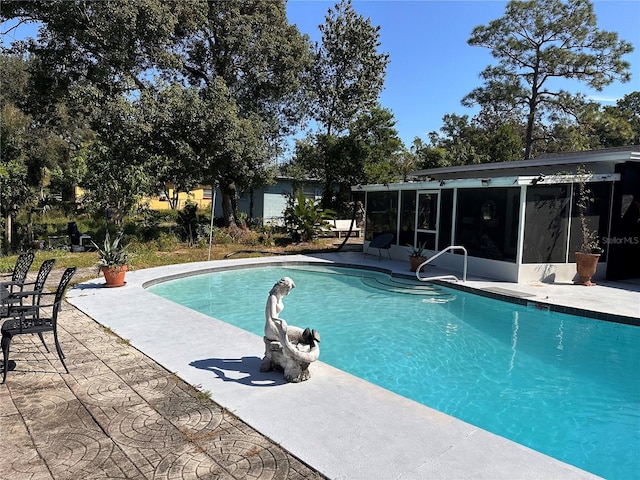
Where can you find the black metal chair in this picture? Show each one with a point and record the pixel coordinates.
(381, 242)
(20, 270)
(15, 299)
(38, 318)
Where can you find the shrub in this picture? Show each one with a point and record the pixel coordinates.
(167, 242)
(221, 236)
(305, 219)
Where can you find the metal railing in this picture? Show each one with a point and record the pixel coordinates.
(444, 277)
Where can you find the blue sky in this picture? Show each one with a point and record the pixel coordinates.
(431, 66)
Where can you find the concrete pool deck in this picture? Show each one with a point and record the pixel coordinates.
(342, 426)
(339, 425)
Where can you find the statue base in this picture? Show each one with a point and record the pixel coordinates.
(276, 358)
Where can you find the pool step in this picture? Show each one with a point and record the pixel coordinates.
(406, 288)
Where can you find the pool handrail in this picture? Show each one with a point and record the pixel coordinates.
(444, 277)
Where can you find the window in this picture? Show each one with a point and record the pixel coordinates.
(486, 222)
(597, 217)
(407, 217)
(382, 214)
(546, 219)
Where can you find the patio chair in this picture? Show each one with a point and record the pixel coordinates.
(381, 242)
(20, 270)
(39, 318)
(16, 299)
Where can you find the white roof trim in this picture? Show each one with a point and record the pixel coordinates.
(488, 182)
(613, 155)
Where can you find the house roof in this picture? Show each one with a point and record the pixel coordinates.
(598, 161)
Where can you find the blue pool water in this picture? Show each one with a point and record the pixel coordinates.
(563, 385)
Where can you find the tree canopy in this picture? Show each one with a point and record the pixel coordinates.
(348, 73)
(535, 43)
(239, 64)
(346, 79)
(126, 98)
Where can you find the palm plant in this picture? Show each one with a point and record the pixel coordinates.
(305, 219)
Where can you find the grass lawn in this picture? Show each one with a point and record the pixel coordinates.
(144, 256)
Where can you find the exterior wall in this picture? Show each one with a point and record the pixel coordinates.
(268, 202)
(482, 267)
(195, 196)
(513, 229)
(554, 273)
(496, 270)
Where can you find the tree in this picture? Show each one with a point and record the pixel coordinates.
(464, 141)
(112, 45)
(242, 49)
(176, 115)
(248, 50)
(35, 152)
(427, 155)
(619, 125)
(371, 152)
(348, 72)
(345, 83)
(598, 127)
(14, 138)
(116, 177)
(537, 42)
(88, 65)
(379, 144)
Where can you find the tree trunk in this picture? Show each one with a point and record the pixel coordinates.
(533, 105)
(173, 198)
(228, 191)
(529, 136)
(251, 203)
(29, 227)
(8, 227)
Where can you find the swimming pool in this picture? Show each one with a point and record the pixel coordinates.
(563, 385)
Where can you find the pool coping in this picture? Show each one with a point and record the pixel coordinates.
(527, 299)
(340, 425)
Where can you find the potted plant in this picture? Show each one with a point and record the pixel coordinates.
(113, 260)
(417, 256)
(589, 251)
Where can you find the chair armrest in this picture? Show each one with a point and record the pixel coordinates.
(18, 310)
(26, 293)
(19, 284)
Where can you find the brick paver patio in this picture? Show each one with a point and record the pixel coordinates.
(119, 415)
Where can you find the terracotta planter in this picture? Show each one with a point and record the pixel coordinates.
(114, 276)
(415, 262)
(586, 264)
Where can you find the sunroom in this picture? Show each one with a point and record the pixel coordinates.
(518, 221)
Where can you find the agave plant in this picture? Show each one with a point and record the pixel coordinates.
(417, 251)
(112, 254)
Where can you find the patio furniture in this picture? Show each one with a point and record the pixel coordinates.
(381, 242)
(12, 300)
(20, 270)
(38, 318)
(340, 227)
